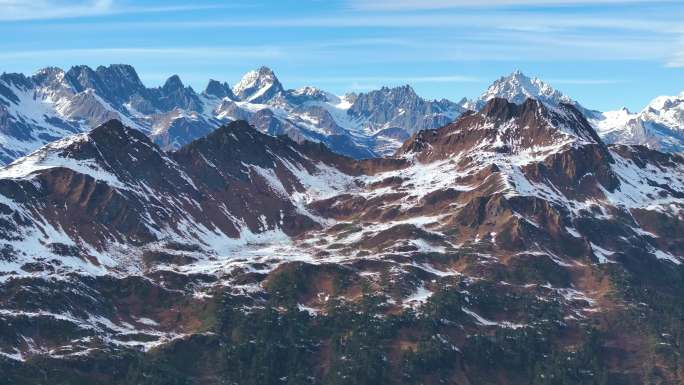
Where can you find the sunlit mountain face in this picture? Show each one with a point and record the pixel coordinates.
(513, 239)
(53, 104)
(436, 192)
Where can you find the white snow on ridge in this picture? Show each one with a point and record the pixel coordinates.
(613, 121)
(517, 87)
(48, 157)
(635, 191)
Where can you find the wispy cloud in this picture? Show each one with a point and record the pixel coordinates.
(524, 21)
(17, 10)
(677, 60)
(398, 5)
(159, 54)
(52, 9)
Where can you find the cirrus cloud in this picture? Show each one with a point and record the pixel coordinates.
(18, 10)
(441, 4)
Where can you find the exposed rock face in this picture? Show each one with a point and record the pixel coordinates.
(506, 128)
(137, 182)
(512, 241)
(52, 104)
(174, 94)
(391, 114)
(219, 90)
(175, 128)
(117, 83)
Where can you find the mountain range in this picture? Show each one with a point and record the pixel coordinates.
(53, 103)
(502, 243)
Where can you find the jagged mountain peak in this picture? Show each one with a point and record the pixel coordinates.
(309, 91)
(126, 70)
(258, 85)
(395, 96)
(310, 94)
(83, 77)
(265, 71)
(502, 109)
(115, 83)
(125, 74)
(174, 94)
(405, 91)
(229, 130)
(16, 79)
(500, 126)
(173, 83)
(219, 90)
(234, 147)
(49, 76)
(49, 71)
(517, 87)
(111, 155)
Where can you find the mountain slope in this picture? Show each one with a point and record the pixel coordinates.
(142, 195)
(658, 126)
(511, 242)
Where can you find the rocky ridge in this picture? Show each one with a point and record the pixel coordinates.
(513, 233)
(54, 103)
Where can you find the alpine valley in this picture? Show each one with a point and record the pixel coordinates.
(258, 235)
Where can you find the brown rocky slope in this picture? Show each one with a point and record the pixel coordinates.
(509, 247)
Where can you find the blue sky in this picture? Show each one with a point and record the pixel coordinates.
(604, 53)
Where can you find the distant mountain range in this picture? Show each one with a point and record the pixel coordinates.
(53, 103)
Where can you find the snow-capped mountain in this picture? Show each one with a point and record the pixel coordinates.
(666, 110)
(51, 104)
(512, 232)
(517, 87)
(660, 125)
(258, 86)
